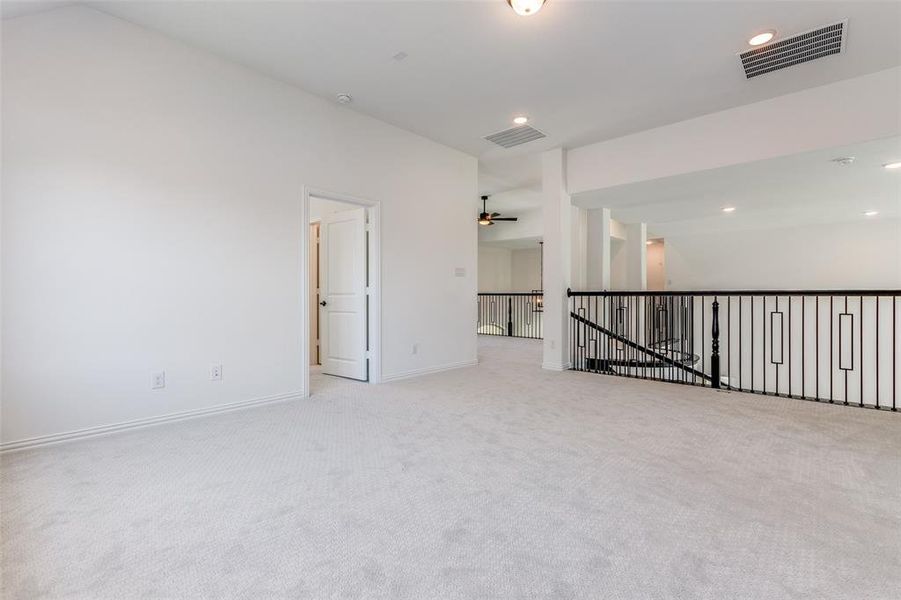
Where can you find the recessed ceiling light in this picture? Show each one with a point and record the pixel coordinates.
(729, 209)
(871, 213)
(524, 8)
(649, 242)
(892, 165)
(521, 120)
(344, 98)
(763, 37)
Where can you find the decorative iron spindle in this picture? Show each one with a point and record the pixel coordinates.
(511, 314)
(655, 335)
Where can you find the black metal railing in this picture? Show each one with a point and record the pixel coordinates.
(837, 346)
(514, 314)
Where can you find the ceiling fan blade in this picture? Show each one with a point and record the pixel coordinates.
(495, 215)
(506, 219)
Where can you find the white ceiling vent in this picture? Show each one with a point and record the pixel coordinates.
(515, 136)
(795, 50)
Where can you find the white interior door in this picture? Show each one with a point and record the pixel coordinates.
(342, 294)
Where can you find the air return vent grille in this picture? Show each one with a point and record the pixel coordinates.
(795, 50)
(515, 136)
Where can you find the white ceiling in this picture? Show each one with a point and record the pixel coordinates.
(583, 71)
(787, 191)
(17, 8)
(513, 202)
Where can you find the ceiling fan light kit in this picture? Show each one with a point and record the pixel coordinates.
(488, 219)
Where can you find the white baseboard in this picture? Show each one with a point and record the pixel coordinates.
(556, 366)
(427, 370)
(56, 438)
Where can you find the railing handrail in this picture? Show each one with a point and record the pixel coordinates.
(510, 293)
(572, 293)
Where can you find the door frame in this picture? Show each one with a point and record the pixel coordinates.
(374, 260)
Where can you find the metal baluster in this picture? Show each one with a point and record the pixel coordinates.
(840, 350)
(715, 345)
(773, 341)
(752, 344)
(729, 340)
(790, 346)
(860, 311)
(763, 345)
(831, 350)
(877, 351)
(803, 335)
(816, 340)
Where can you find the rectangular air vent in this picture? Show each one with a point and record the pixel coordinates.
(515, 136)
(795, 50)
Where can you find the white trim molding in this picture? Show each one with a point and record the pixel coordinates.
(556, 366)
(428, 370)
(68, 436)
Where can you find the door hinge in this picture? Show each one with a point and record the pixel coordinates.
(367, 354)
(368, 290)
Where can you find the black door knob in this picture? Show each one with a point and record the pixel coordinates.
(322, 303)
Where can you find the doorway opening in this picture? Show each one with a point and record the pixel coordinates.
(341, 288)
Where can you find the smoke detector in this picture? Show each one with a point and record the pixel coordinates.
(344, 98)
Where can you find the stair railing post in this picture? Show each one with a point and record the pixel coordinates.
(510, 316)
(715, 346)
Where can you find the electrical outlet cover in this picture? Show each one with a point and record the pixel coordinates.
(158, 380)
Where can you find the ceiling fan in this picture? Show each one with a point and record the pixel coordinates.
(488, 219)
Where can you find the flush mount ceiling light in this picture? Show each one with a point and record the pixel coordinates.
(524, 8)
(844, 160)
(762, 38)
(729, 209)
(892, 165)
(871, 213)
(521, 120)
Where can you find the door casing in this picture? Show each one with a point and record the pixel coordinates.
(373, 210)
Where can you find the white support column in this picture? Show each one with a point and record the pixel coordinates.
(557, 213)
(637, 256)
(579, 257)
(598, 249)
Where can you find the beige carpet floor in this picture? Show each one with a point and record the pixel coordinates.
(497, 481)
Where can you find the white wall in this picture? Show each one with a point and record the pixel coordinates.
(529, 226)
(656, 261)
(619, 264)
(508, 269)
(860, 254)
(525, 272)
(151, 221)
(495, 269)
